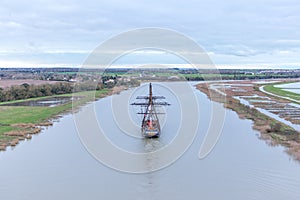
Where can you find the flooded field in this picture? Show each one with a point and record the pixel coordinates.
(295, 85)
(291, 87)
(248, 93)
(45, 102)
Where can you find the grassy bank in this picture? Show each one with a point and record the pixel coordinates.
(20, 122)
(281, 92)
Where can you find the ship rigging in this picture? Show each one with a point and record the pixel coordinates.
(150, 127)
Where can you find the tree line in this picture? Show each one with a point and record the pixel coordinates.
(26, 91)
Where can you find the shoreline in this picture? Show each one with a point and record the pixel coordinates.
(272, 131)
(12, 133)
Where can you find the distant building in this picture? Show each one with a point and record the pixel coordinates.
(109, 81)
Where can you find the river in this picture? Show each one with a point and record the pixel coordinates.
(55, 164)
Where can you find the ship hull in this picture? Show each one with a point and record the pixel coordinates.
(151, 134)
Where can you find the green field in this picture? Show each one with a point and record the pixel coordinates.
(12, 115)
(279, 91)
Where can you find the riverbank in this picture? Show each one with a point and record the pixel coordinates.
(248, 101)
(18, 123)
(280, 92)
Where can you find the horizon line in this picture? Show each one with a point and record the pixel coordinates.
(154, 65)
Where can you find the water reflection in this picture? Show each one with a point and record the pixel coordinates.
(55, 165)
(151, 184)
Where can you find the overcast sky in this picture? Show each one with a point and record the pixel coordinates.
(60, 32)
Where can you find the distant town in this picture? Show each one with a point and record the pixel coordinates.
(126, 74)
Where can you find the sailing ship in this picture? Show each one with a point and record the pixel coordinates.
(150, 127)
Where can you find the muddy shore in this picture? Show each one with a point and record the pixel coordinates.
(274, 132)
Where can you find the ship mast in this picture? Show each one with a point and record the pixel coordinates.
(149, 109)
(150, 94)
(150, 123)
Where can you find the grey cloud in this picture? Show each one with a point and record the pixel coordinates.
(230, 28)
